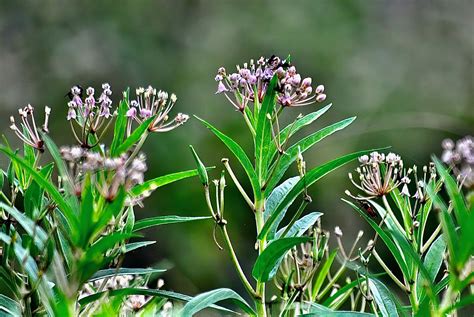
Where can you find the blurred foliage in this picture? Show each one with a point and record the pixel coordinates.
(404, 68)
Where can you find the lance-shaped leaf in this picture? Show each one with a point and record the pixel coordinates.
(239, 153)
(271, 257)
(37, 234)
(136, 135)
(304, 144)
(123, 271)
(386, 302)
(300, 226)
(152, 184)
(163, 220)
(432, 262)
(142, 291)
(294, 127)
(9, 307)
(263, 137)
(63, 206)
(386, 239)
(207, 299)
(309, 179)
(275, 198)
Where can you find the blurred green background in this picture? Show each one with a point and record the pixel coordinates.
(405, 68)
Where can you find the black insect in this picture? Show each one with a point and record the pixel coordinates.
(276, 62)
(70, 95)
(368, 208)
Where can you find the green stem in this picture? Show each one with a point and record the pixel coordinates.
(392, 215)
(260, 288)
(235, 261)
(237, 183)
(389, 272)
(138, 147)
(249, 124)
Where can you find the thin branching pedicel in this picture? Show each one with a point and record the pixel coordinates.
(379, 175)
(152, 103)
(28, 132)
(90, 116)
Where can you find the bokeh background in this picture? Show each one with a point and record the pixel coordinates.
(405, 68)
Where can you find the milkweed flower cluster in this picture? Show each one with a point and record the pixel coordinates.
(251, 80)
(152, 103)
(379, 175)
(110, 172)
(91, 114)
(460, 156)
(28, 132)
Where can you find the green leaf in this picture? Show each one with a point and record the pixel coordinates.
(38, 235)
(86, 223)
(294, 127)
(275, 198)
(33, 198)
(309, 179)
(70, 197)
(338, 314)
(433, 260)
(123, 271)
(304, 144)
(399, 257)
(163, 220)
(9, 307)
(464, 218)
(385, 300)
(263, 137)
(323, 272)
(120, 124)
(271, 256)
(64, 207)
(141, 291)
(161, 181)
(300, 226)
(136, 135)
(137, 245)
(104, 244)
(239, 153)
(207, 299)
(201, 168)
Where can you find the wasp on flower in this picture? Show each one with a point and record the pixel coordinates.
(251, 81)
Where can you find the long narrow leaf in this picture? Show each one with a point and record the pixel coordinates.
(263, 137)
(309, 179)
(239, 153)
(163, 220)
(123, 271)
(271, 257)
(290, 155)
(207, 299)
